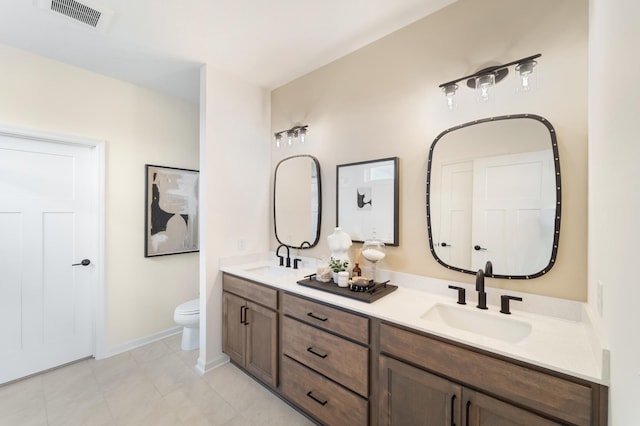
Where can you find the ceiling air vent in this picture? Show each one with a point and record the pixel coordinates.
(87, 12)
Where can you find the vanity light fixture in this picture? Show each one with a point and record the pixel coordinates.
(296, 132)
(487, 77)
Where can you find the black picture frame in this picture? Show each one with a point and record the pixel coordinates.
(171, 219)
(367, 200)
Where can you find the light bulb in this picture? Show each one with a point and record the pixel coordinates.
(278, 140)
(303, 134)
(484, 92)
(289, 138)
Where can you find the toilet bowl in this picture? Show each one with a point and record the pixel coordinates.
(188, 316)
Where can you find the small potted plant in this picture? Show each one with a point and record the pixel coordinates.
(336, 266)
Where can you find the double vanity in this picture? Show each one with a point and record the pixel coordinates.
(415, 354)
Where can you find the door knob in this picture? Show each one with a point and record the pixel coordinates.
(83, 262)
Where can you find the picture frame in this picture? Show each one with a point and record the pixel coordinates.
(171, 211)
(367, 200)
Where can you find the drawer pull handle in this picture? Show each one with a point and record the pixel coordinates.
(310, 395)
(453, 411)
(468, 411)
(310, 314)
(310, 349)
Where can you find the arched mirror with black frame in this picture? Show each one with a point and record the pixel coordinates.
(494, 194)
(297, 201)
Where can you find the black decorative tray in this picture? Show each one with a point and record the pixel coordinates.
(371, 295)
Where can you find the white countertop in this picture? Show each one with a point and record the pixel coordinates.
(564, 335)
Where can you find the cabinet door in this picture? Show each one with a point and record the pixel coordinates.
(233, 328)
(482, 410)
(410, 396)
(262, 343)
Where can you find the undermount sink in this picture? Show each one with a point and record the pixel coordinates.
(479, 322)
(270, 271)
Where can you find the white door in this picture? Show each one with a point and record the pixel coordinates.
(46, 225)
(454, 242)
(514, 210)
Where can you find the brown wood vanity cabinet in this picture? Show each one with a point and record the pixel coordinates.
(325, 361)
(250, 327)
(423, 380)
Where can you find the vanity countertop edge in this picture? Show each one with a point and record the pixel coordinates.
(569, 346)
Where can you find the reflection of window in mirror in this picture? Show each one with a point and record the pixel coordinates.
(495, 184)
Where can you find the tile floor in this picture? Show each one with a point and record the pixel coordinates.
(152, 385)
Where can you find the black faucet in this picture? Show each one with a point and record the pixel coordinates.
(482, 296)
(281, 257)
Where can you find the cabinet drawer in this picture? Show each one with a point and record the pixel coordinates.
(326, 401)
(343, 323)
(542, 392)
(341, 360)
(263, 295)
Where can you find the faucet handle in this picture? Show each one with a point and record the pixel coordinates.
(295, 263)
(461, 294)
(504, 303)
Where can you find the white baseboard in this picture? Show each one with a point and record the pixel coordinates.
(136, 343)
(203, 366)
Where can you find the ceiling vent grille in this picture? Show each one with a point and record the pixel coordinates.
(87, 12)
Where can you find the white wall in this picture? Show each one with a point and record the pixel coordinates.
(139, 126)
(383, 100)
(235, 190)
(614, 193)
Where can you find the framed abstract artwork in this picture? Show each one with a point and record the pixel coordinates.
(367, 200)
(171, 211)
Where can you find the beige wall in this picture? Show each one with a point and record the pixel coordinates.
(383, 101)
(139, 126)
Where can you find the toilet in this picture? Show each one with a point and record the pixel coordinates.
(188, 316)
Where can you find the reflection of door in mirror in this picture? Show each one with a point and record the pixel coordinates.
(297, 201)
(514, 197)
(454, 242)
(493, 193)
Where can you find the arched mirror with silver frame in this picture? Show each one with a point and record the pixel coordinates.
(297, 201)
(494, 194)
